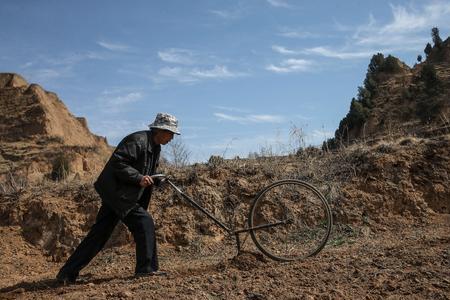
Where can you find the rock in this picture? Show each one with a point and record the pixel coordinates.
(125, 294)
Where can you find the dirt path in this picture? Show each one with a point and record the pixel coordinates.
(412, 261)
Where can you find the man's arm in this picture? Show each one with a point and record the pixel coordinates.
(125, 155)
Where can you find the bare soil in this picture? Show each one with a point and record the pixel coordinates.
(411, 262)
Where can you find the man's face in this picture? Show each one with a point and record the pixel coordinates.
(162, 137)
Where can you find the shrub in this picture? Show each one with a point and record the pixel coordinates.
(428, 49)
(391, 65)
(358, 114)
(329, 144)
(215, 161)
(429, 76)
(61, 167)
(178, 154)
(427, 109)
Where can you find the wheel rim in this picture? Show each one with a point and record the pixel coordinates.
(307, 215)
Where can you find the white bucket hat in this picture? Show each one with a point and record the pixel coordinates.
(166, 122)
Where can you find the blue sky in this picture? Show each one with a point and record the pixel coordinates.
(239, 75)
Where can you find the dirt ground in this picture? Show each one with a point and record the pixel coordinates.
(407, 261)
(391, 239)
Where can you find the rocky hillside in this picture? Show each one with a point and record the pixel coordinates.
(396, 99)
(40, 137)
(385, 185)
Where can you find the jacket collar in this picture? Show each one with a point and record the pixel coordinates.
(151, 144)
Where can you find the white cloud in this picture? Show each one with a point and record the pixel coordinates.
(227, 14)
(191, 75)
(250, 118)
(113, 46)
(215, 72)
(125, 99)
(115, 129)
(43, 68)
(407, 27)
(188, 66)
(295, 33)
(27, 65)
(266, 118)
(177, 56)
(227, 117)
(228, 108)
(407, 31)
(323, 51)
(279, 3)
(291, 65)
(283, 50)
(70, 59)
(117, 100)
(176, 74)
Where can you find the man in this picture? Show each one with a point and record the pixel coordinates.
(125, 187)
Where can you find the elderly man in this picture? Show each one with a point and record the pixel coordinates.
(125, 187)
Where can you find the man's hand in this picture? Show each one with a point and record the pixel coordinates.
(146, 181)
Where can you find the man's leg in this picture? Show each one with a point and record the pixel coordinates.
(141, 225)
(96, 239)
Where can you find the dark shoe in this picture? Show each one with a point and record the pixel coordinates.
(65, 279)
(154, 273)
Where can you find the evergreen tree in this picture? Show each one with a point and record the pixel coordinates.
(376, 62)
(429, 76)
(364, 97)
(436, 38)
(419, 58)
(357, 115)
(391, 65)
(428, 49)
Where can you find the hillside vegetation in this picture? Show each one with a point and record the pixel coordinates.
(398, 100)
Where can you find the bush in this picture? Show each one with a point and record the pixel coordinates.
(61, 167)
(215, 161)
(391, 65)
(178, 154)
(427, 109)
(429, 76)
(330, 144)
(428, 49)
(357, 115)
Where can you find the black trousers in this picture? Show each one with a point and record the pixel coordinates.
(141, 225)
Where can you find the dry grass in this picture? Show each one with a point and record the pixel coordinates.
(13, 185)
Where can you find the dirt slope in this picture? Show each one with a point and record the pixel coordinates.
(36, 130)
(390, 203)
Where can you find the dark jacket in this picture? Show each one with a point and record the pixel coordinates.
(118, 183)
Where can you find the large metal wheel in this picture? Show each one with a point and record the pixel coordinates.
(293, 220)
